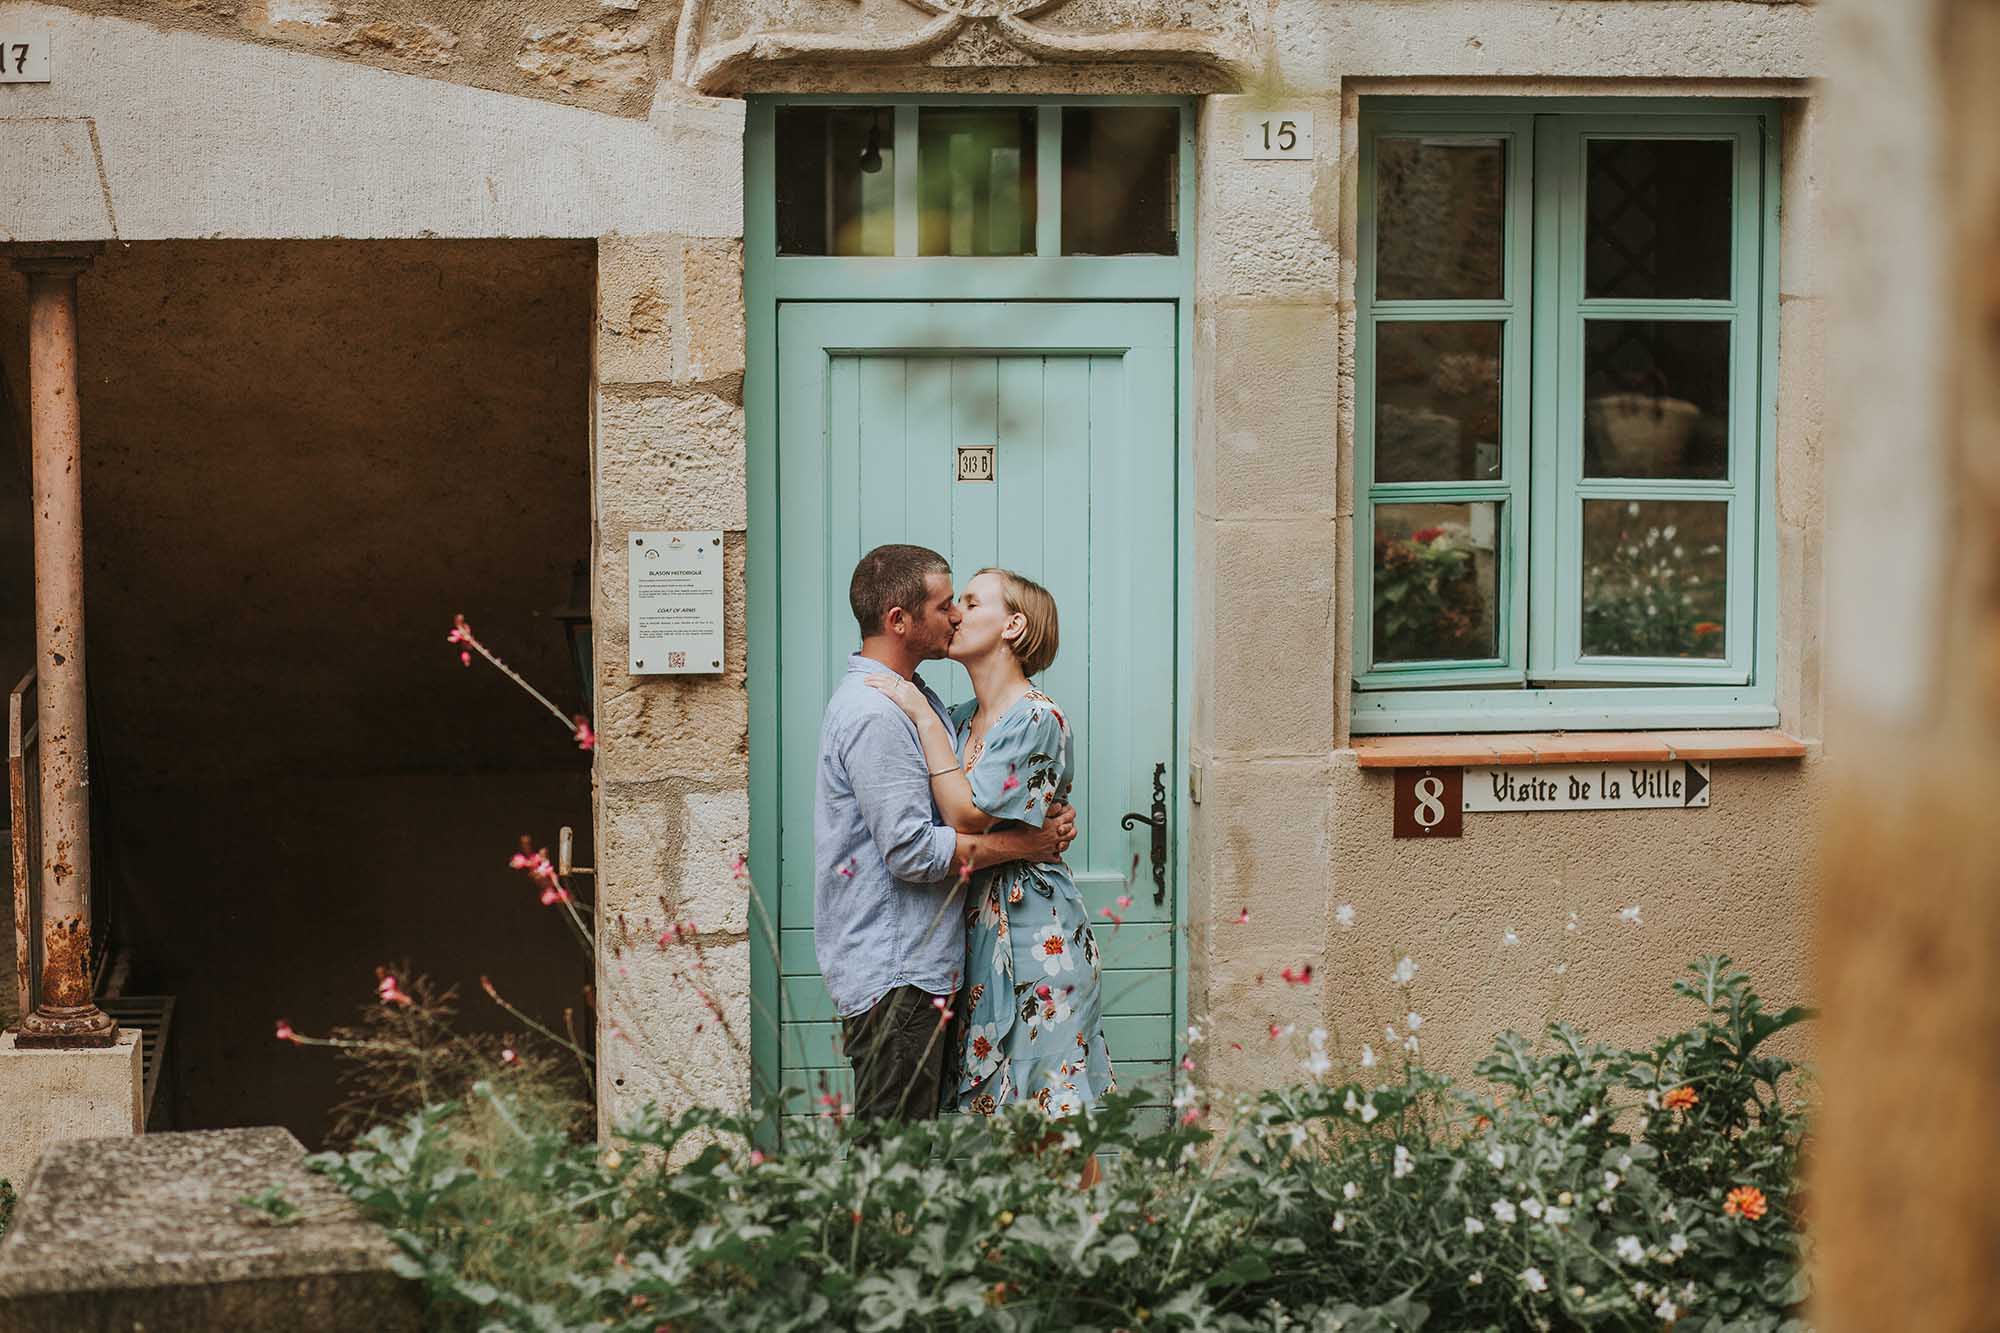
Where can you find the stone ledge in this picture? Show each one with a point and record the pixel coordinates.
(148, 1232)
(1575, 747)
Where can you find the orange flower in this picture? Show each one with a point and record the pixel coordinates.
(1680, 1099)
(1707, 627)
(1745, 1201)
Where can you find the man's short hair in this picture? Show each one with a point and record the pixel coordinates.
(889, 577)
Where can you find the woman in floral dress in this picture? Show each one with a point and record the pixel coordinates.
(1032, 997)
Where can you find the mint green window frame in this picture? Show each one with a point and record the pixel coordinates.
(1540, 677)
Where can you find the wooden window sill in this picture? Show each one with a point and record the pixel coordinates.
(1574, 747)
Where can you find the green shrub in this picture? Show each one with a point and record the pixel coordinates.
(1578, 1187)
(7, 1202)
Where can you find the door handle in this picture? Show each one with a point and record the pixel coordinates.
(1157, 821)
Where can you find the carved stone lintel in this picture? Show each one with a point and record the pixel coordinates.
(978, 33)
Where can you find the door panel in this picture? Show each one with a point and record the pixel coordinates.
(1078, 404)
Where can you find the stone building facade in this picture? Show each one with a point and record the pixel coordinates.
(622, 125)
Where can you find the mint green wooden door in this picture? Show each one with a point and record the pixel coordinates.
(1077, 403)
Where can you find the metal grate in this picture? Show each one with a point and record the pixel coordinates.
(153, 1016)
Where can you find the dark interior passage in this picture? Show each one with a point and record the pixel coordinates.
(300, 459)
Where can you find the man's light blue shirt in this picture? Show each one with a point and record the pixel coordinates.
(888, 907)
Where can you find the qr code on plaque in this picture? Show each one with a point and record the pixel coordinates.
(676, 661)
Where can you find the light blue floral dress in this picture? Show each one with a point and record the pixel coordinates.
(1033, 999)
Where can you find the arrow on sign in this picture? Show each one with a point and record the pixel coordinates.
(1697, 782)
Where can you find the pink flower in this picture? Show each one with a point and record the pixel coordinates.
(509, 1056)
(738, 870)
(1243, 917)
(586, 739)
(1124, 900)
(465, 659)
(1301, 975)
(1274, 1032)
(1011, 782)
(1187, 1063)
(846, 871)
(285, 1032)
(390, 992)
(756, 1157)
(1111, 916)
(1043, 990)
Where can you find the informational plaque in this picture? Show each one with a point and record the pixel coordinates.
(675, 603)
(1678, 784)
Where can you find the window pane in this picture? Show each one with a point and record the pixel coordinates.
(1658, 218)
(1121, 180)
(1655, 578)
(1656, 398)
(1437, 401)
(1440, 219)
(836, 180)
(1437, 581)
(976, 181)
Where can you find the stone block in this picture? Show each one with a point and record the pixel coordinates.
(150, 1233)
(670, 311)
(660, 1041)
(673, 460)
(49, 1096)
(1270, 229)
(1274, 634)
(713, 341)
(609, 59)
(1274, 410)
(715, 831)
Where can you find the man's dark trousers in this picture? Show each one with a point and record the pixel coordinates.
(899, 1049)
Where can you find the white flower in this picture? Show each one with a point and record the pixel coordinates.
(1352, 1104)
(1632, 509)
(1503, 1210)
(1653, 1098)
(1510, 938)
(1611, 1179)
(1630, 915)
(1677, 1244)
(982, 1050)
(1317, 1064)
(1340, 1221)
(1298, 1136)
(1475, 1279)
(1350, 1191)
(1532, 1207)
(1588, 1118)
(1404, 1164)
(1640, 1290)
(1572, 925)
(1367, 1056)
(1368, 1111)
(1667, 1310)
(1630, 1250)
(1668, 532)
(1413, 1020)
(1558, 1216)
(1532, 1278)
(1343, 915)
(1054, 949)
(1497, 1156)
(1687, 1293)
(1318, 1038)
(1473, 1226)
(1406, 971)
(1389, 1034)
(1410, 1044)
(1565, 1198)
(1604, 1205)
(1194, 1033)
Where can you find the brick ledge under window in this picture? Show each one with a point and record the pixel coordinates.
(1574, 747)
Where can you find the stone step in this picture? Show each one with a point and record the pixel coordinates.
(149, 1233)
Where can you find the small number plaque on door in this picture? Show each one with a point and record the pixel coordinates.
(975, 462)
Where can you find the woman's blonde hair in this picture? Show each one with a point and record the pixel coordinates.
(1035, 646)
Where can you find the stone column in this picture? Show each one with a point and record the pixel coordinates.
(1268, 524)
(673, 767)
(65, 1014)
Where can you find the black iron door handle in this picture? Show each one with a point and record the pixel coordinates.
(1157, 821)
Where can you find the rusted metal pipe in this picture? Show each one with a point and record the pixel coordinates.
(65, 1014)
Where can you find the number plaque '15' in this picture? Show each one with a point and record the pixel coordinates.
(1278, 134)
